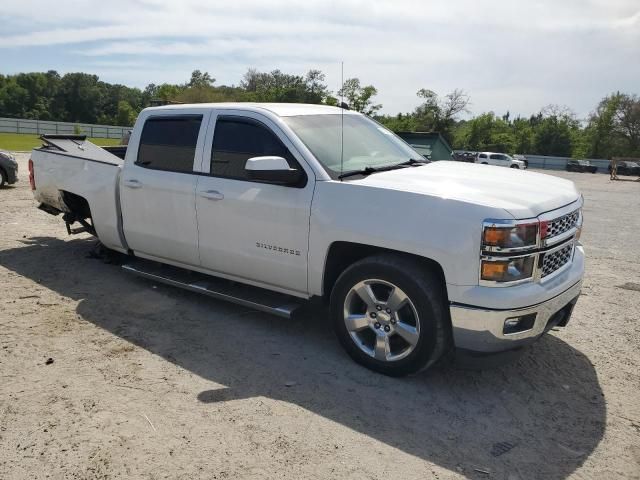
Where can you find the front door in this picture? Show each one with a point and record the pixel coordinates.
(247, 229)
(157, 189)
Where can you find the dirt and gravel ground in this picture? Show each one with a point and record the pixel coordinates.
(147, 381)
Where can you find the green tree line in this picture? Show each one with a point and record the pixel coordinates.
(612, 129)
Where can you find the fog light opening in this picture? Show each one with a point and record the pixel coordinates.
(519, 324)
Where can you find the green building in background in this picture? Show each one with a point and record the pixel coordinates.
(431, 145)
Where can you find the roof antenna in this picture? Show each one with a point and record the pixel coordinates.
(341, 119)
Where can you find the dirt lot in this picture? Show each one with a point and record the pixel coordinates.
(152, 382)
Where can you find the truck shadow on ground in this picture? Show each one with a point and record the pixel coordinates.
(538, 417)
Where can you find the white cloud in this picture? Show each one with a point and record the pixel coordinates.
(506, 54)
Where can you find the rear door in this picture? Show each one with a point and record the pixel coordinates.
(158, 184)
(248, 229)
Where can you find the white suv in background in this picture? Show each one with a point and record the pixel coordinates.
(499, 159)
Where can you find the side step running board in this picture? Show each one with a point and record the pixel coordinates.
(245, 295)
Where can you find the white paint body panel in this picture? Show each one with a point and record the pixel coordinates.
(96, 182)
(433, 211)
(257, 231)
(523, 194)
(159, 215)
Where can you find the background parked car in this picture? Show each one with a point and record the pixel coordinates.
(8, 169)
(581, 166)
(469, 157)
(499, 159)
(627, 168)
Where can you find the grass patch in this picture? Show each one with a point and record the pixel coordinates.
(20, 142)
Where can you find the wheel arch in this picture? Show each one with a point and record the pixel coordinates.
(77, 204)
(342, 254)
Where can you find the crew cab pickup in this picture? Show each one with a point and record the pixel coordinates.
(271, 205)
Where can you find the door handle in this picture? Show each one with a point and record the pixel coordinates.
(132, 183)
(211, 195)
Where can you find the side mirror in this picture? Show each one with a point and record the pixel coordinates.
(271, 169)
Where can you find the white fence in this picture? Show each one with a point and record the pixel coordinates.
(560, 163)
(41, 127)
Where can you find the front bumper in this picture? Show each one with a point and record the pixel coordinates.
(481, 330)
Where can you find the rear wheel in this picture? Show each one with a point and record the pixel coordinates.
(389, 315)
(3, 178)
(485, 163)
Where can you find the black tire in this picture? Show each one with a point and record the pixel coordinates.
(3, 178)
(515, 166)
(485, 163)
(426, 292)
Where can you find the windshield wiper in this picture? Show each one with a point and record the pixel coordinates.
(365, 171)
(369, 170)
(415, 161)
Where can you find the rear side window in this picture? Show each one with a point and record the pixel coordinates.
(236, 140)
(483, 155)
(169, 143)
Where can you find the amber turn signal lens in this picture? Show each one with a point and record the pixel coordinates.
(496, 236)
(508, 270)
(521, 235)
(494, 270)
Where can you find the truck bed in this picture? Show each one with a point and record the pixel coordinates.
(70, 164)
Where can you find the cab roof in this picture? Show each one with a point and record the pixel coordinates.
(280, 109)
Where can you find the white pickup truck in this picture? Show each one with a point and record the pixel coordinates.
(270, 205)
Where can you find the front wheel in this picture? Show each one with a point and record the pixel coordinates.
(3, 178)
(515, 166)
(390, 315)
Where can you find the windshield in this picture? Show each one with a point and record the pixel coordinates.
(365, 144)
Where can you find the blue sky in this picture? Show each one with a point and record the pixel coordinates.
(507, 55)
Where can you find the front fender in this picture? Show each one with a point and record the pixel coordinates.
(443, 230)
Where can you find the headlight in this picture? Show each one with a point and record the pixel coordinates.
(515, 251)
(508, 250)
(519, 236)
(508, 269)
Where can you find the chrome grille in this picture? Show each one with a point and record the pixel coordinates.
(555, 260)
(559, 225)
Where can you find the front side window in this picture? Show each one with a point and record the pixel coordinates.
(496, 156)
(238, 139)
(349, 142)
(169, 143)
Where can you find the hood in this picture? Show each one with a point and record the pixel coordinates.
(522, 194)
